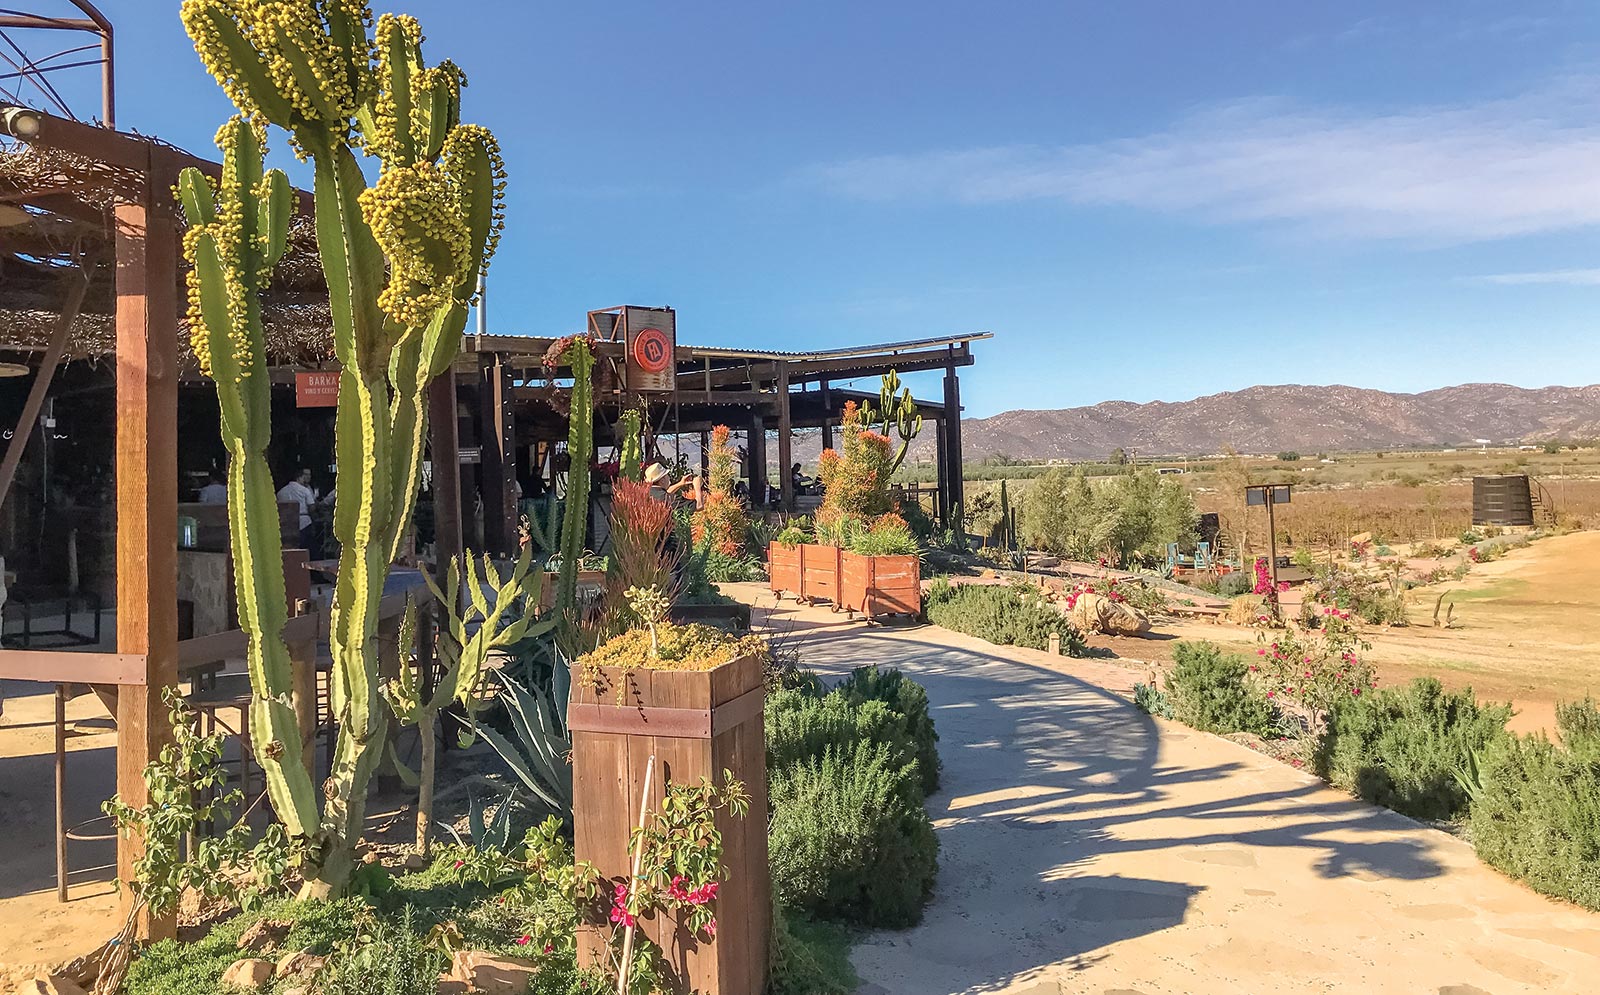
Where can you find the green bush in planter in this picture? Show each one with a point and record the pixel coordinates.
(1212, 691)
(1536, 807)
(849, 839)
(908, 698)
(1403, 748)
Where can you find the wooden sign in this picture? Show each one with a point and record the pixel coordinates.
(316, 389)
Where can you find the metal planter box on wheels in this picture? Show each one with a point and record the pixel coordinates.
(696, 724)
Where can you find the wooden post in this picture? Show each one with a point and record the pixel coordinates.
(499, 466)
(147, 486)
(61, 792)
(785, 443)
(827, 417)
(956, 485)
(757, 450)
(445, 448)
(941, 474)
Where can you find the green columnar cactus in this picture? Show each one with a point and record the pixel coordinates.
(576, 353)
(465, 646)
(402, 260)
(895, 410)
(632, 457)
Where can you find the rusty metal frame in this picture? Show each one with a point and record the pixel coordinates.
(38, 70)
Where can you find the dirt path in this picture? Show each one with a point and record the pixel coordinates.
(1087, 848)
(1529, 631)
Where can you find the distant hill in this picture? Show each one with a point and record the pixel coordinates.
(1291, 416)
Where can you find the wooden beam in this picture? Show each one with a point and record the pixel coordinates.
(77, 282)
(849, 367)
(72, 667)
(498, 454)
(146, 474)
(785, 441)
(827, 416)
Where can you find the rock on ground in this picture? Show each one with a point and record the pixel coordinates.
(252, 972)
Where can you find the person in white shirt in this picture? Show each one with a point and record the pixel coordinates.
(300, 493)
(215, 491)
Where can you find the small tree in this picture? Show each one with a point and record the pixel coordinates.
(720, 521)
(465, 644)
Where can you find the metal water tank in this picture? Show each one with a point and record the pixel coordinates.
(1503, 500)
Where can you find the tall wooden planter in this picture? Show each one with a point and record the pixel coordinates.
(880, 585)
(696, 724)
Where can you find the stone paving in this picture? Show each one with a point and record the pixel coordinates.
(1088, 848)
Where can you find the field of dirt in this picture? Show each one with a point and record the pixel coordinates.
(1528, 631)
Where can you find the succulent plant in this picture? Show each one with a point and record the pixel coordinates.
(897, 410)
(402, 260)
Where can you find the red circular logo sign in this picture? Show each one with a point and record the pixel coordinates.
(651, 350)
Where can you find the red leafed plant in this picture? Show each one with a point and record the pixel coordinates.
(855, 482)
(720, 520)
(640, 527)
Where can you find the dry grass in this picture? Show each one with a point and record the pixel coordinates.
(1397, 513)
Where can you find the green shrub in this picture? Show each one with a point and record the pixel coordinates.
(1152, 700)
(1234, 584)
(385, 959)
(808, 957)
(850, 841)
(1014, 615)
(1536, 808)
(908, 698)
(1404, 747)
(171, 968)
(1212, 691)
(802, 726)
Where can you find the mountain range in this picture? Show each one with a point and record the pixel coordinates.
(1267, 419)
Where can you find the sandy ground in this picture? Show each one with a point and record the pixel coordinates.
(1088, 848)
(34, 927)
(1528, 633)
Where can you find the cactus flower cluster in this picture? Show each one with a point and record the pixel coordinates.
(402, 259)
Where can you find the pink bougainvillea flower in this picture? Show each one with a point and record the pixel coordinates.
(1261, 652)
(1271, 695)
(524, 940)
(458, 865)
(549, 948)
(711, 928)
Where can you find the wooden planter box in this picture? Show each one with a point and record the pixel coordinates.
(783, 568)
(808, 571)
(819, 573)
(880, 585)
(696, 725)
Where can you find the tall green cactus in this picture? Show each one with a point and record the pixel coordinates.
(896, 410)
(402, 260)
(575, 352)
(631, 459)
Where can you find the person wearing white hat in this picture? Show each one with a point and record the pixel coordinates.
(657, 475)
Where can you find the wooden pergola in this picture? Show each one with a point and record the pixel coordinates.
(755, 391)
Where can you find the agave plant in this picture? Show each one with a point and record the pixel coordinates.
(538, 756)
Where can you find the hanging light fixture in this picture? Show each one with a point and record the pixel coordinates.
(14, 370)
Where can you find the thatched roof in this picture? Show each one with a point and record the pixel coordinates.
(56, 213)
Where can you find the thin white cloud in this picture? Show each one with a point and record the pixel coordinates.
(1440, 174)
(1572, 277)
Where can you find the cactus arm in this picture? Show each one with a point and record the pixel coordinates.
(351, 260)
(237, 62)
(273, 218)
(632, 458)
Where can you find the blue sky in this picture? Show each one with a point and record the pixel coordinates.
(1141, 200)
